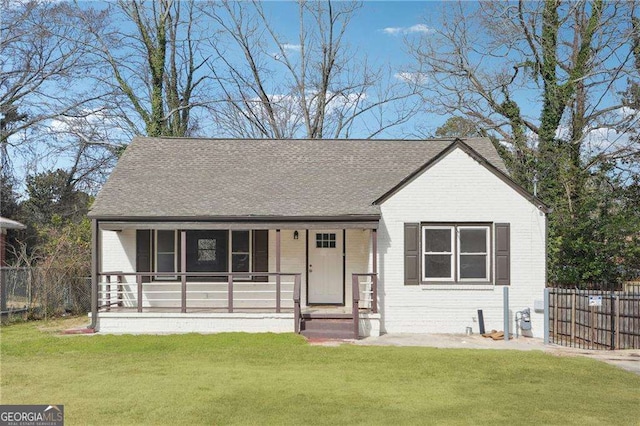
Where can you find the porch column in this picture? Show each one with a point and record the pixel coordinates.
(278, 270)
(374, 266)
(95, 267)
(183, 269)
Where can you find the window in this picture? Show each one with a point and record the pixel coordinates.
(207, 251)
(437, 243)
(166, 253)
(240, 251)
(455, 253)
(216, 250)
(326, 240)
(473, 259)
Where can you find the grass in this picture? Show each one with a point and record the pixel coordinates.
(280, 379)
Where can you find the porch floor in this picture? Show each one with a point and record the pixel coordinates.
(307, 310)
(160, 310)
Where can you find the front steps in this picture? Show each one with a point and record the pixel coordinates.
(327, 326)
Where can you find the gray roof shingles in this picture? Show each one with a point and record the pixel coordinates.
(208, 178)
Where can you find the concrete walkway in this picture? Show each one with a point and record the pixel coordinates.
(626, 359)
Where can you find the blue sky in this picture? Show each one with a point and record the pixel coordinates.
(365, 35)
(378, 30)
(366, 31)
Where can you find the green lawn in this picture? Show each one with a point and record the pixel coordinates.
(275, 379)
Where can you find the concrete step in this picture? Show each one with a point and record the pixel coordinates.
(326, 315)
(328, 328)
(327, 324)
(328, 334)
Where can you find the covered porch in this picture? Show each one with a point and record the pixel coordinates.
(235, 276)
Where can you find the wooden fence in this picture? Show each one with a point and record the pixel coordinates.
(595, 319)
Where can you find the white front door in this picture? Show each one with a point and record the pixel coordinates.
(326, 284)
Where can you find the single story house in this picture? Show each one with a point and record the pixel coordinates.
(323, 237)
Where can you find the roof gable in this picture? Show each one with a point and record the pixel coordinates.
(460, 144)
(213, 178)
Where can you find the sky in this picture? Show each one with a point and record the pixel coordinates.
(367, 30)
(378, 30)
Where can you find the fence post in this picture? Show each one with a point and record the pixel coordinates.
(3, 289)
(592, 320)
(556, 295)
(618, 322)
(612, 317)
(573, 317)
(546, 316)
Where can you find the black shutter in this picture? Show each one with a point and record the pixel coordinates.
(503, 254)
(411, 253)
(261, 253)
(143, 252)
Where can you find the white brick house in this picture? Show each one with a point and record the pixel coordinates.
(314, 236)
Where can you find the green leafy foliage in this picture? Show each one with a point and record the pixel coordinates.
(600, 241)
(57, 241)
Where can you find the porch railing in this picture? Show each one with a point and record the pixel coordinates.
(227, 292)
(369, 300)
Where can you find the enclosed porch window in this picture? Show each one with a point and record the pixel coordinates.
(216, 251)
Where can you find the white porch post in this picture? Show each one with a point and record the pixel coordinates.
(95, 268)
(183, 269)
(278, 270)
(374, 265)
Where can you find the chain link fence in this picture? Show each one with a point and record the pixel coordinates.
(39, 293)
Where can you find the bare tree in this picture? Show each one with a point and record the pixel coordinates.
(547, 78)
(150, 64)
(326, 89)
(485, 63)
(40, 59)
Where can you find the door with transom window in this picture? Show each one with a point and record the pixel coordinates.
(326, 283)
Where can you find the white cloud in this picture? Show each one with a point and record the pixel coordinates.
(292, 47)
(411, 77)
(414, 29)
(392, 30)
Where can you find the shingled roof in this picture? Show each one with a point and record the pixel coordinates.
(209, 178)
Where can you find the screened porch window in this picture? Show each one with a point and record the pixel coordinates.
(166, 253)
(240, 251)
(218, 250)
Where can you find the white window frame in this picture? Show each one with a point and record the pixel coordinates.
(231, 252)
(328, 240)
(452, 230)
(487, 253)
(156, 253)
